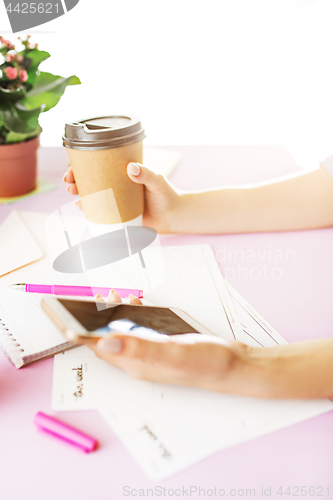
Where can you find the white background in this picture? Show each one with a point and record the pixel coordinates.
(198, 72)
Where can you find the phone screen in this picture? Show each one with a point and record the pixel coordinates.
(123, 317)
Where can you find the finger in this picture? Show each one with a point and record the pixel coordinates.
(78, 204)
(127, 352)
(88, 341)
(114, 297)
(72, 189)
(200, 364)
(195, 338)
(161, 361)
(134, 300)
(99, 299)
(142, 175)
(76, 338)
(69, 176)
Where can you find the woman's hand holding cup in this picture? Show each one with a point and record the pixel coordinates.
(162, 201)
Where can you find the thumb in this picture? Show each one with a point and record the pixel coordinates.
(139, 356)
(142, 175)
(131, 346)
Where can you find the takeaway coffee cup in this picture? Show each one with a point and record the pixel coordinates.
(99, 151)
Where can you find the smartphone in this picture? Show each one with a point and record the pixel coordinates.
(79, 319)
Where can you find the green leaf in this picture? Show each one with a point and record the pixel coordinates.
(12, 95)
(47, 90)
(33, 57)
(15, 137)
(19, 119)
(1, 120)
(31, 61)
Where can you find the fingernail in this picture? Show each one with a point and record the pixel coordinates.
(110, 294)
(64, 177)
(134, 169)
(98, 298)
(109, 345)
(68, 187)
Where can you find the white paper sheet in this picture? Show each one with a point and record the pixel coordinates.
(168, 428)
(193, 284)
(18, 247)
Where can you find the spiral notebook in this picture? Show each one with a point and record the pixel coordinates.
(26, 333)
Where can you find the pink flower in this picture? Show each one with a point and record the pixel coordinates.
(10, 57)
(11, 73)
(23, 75)
(8, 44)
(19, 58)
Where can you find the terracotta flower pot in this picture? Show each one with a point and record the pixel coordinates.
(18, 167)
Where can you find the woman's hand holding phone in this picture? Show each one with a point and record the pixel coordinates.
(191, 359)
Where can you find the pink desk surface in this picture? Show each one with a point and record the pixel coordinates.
(291, 285)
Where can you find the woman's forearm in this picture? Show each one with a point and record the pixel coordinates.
(303, 370)
(302, 201)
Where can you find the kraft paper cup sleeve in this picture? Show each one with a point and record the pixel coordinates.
(98, 171)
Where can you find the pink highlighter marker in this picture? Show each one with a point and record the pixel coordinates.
(65, 432)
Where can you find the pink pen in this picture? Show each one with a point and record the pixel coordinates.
(77, 291)
(65, 432)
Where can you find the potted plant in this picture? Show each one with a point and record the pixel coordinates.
(25, 92)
